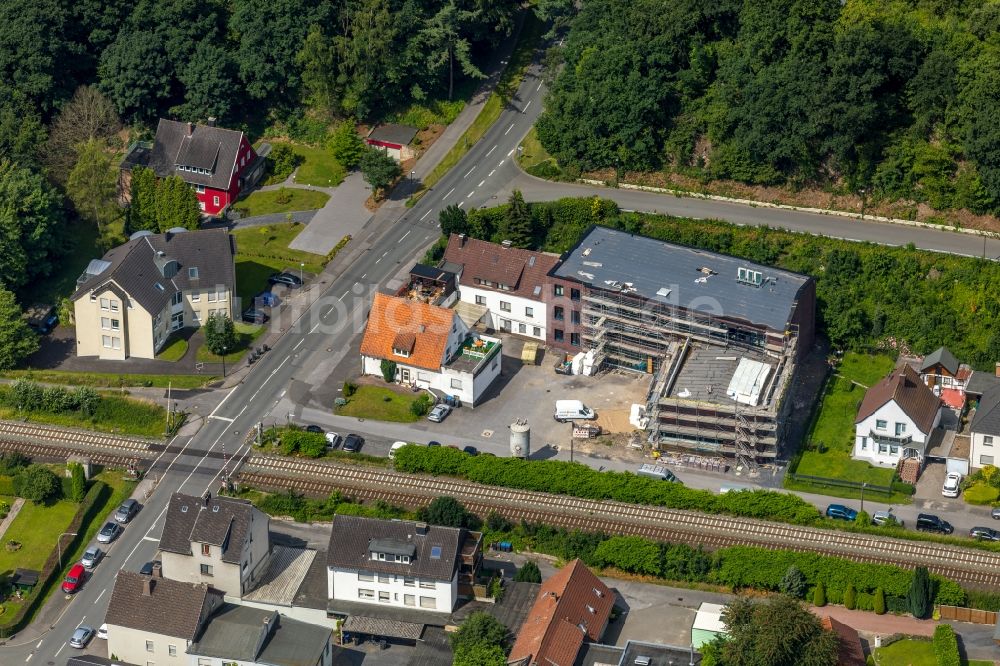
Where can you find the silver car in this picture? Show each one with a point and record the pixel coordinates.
(439, 413)
(81, 636)
(91, 557)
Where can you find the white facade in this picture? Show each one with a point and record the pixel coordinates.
(508, 313)
(325, 660)
(135, 646)
(984, 450)
(392, 590)
(888, 435)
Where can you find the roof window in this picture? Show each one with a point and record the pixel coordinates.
(435, 552)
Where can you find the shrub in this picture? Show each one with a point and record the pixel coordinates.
(879, 604)
(981, 493)
(447, 511)
(388, 369)
(863, 519)
(11, 462)
(528, 573)
(946, 646)
(793, 583)
(283, 196)
(281, 161)
(36, 483)
(919, 597)
(421, 405)
(350, 388)
(78, 483)
(87, 400)
(819, 595)
(27, 395)
(494, 522)
(850, 597)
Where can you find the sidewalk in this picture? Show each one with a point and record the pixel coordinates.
(884, 625)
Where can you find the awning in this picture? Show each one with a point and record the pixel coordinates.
(376, 626)
(470, 313)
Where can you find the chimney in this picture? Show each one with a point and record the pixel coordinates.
(210, 122)
(420, 529)
(461, 238)
(190, 129)
(422, 328)
(147, 587)
(206, 498)
(157, 570)
(506, 244)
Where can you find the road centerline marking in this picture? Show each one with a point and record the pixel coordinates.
(481, 183)
(469, 172)
(491, 150)
(509, 129)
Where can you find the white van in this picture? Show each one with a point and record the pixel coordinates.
(396, 446)
(568, 410)
(658, 472)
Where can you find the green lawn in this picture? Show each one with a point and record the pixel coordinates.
(115, 413)
(36, 528)
(266, 203)
(534, 154)
(834, 428)
(174, 350)
(906, 652)
(319, 167)
(262, 251)
(109, 379)
(246, 334)
(379, 403)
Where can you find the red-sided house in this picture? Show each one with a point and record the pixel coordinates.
(394, 140)
(218, 163)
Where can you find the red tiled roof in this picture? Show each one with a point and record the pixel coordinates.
(912, 395)
(395, 321)
(521, 270)
(849, 650)
(572, 605)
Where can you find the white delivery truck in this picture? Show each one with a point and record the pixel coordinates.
(569, 410)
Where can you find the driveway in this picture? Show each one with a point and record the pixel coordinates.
(343, 215)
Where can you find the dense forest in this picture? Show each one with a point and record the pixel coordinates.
(897, 99)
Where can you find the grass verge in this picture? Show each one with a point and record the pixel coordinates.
(531, 32)
(115, 414)
(36, 528)
(174, 350)
(286, 200)
(109, 379)
(261, 251)
(246, 334)
(379, 403)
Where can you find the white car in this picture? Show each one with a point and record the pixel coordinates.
(102, 632)
(396, 446)
(951, 484)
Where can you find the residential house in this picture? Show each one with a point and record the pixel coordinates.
(985, 430)
(394, 140)
(943, 373)
(849, 649)
(399, 563)
(896, 419)
(431, 346)
(637, 652)
(572, 606)
(252, 637)
(508, 284)
(153, 620)
(128, 302)
(217, 163)
(218, 541)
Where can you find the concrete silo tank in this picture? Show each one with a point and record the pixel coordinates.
(520, 439)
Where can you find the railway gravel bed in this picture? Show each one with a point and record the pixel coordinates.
(964, 565)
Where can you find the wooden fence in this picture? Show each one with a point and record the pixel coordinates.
(972, 615)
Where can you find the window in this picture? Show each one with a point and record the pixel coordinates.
(900, 429)
(106, 341)
(480, 300)
(177, 321)
(409, 582)
(201, 205)
(195, 296)
(382, 578)
(428, 602)
(115, 325)
(557, 334)
(114, 306)
(383, 597)
(882, 448)
(105, 304)
(366, 577)
(557, 290)
(93, 298)
(521, 328)
(381, 557)
(427, 585)
(204, 661)
(177, 298)
(987, 440)
(456, 383)
(172, 650)
(221, 293)
(206, 549)
(116, 343)
(537, 332)
(401, 352)
(881, 424)
(193, 273)
(574, 339)
(505, 306)
(409, 600)
(212, 297)
(985, 460)
(558, 313)
(529, 312)
(106, 323)
(206, 570)
(864, 443)
(149, 646)
(215, 201)
(575, 316)
(366, 594)
(200, 189)
(893, 450)
(574, 294)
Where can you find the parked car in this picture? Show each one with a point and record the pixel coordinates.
(396, 446)
(127, 511)
(147, 568)
(927, 522)
(314, 428)
(984, 534)
(353, 443)
(439, 413)
(433, 442)
(886, 518)
(74, 579)
(81, 636)
(995, 513)
(91, 557)
(841, 512)
(951, 484)
(288, 279)
(471, 450)
(255, 316)
(109, 532)
(102, 632)
(569, 410)
(332, 440)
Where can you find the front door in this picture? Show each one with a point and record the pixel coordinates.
(177, 321)
(505, 325)
(404, 375)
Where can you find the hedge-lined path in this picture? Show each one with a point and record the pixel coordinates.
(884, 625)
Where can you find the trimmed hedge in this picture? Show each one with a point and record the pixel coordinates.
(946, 646)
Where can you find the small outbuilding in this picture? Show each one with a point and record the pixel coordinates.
(24, 580)
(707, 625)
(394, 140)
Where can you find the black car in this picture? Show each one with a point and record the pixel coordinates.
(927, 522)
(353, 443)
(433, 442)
(288, 279)
(255, 316)
(471, 450)
(314, 428)
(147, 568)
(984, 534)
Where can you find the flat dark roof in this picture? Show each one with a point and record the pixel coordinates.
(673, 274)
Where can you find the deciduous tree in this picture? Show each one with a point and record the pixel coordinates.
(17, 341)
(776, 632)
(92, 185)
(220, 334)
(346, 144)
(453, 220)
(528, 573)
(36, 483)
(32, 226)
(480, 628)
(378, 169)
(88, 116)
(447, 511)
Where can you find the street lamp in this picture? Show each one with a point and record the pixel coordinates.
(59, 545)
(302, 268)
(863, 484)
(862, 192)
(412, 174)
(224, 350)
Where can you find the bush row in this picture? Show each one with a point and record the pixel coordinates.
(946, 646)
(307, 510)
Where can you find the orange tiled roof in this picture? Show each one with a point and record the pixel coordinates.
(395, 320)
(572, 605)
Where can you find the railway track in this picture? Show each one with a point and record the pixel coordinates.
(83, 439)
(964, 565)
(56, 453)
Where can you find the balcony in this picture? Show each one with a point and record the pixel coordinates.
(890, 440)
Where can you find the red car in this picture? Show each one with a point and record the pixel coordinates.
(74, 579)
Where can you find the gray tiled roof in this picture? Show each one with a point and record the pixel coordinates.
(239, 633)
(655, 268)
(987, 418)
(193, 520)
(212, 148)
(980, 382)
(351, 535)
(133, 266)
(943, 356)
(399, 134)
(172, 608)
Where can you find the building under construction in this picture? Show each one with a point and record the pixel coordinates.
(719, 336)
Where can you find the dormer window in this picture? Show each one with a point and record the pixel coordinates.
(400, 352)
